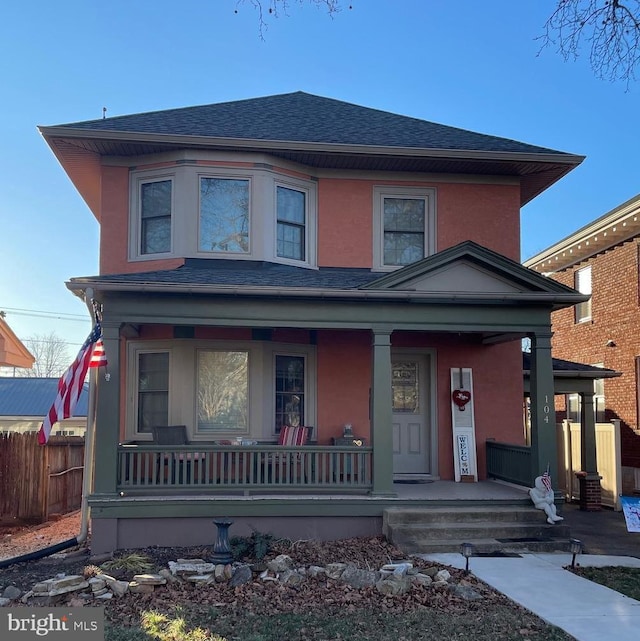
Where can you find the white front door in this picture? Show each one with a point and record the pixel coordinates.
(411, 414)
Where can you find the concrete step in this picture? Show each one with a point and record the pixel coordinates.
(490, 529)
(447, 514)
(477, 530)
(487, 547)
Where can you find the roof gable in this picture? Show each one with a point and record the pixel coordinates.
(468, 269)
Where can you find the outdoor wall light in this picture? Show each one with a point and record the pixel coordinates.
(575, 547)
(610, 343)
(466, 549)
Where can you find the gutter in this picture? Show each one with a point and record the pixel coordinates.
(328, 294)
(53, 132)
(87, 477)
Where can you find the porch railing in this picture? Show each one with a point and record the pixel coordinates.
(510, 463)
(270, 468)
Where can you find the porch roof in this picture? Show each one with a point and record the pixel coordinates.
(504, 281)
(570, 369)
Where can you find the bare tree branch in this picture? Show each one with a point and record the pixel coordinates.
(50, 352)
(275, 8)
(609, 28)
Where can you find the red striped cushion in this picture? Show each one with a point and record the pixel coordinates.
(292, 436)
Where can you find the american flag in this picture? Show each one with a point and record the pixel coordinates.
(71, 382)
(98, 358)
(546, 480)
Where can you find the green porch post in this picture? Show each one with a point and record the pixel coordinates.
(544, 449)
(381, 414)
(107, 433)
(588, 461)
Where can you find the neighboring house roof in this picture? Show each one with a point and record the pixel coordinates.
(616, 226)
(34, 396)
(13, 353)
(571, 369)
(466, 272)
(315, 131)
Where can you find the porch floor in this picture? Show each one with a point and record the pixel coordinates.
(418, 491)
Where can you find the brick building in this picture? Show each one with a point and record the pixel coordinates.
(603, 259)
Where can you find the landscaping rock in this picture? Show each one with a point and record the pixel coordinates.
(335, 570)
(357, 578)
(281, 563)
(11, 592)
(241, 576)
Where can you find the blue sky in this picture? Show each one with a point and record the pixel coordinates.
(468, 64)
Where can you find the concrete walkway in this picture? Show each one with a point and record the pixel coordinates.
(539, 582)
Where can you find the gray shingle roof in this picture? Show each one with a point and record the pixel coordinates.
(560, 365)
(249, 273)
(34, 396)
(303, 117)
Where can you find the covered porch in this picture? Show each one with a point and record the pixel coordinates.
(463, 310)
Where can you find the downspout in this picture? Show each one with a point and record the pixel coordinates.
(87, 477)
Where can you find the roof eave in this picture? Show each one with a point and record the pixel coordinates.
(556, 299)
(210, 141)
(618, 225)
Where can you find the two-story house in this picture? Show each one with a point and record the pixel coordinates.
(294, 260)
(602, 260)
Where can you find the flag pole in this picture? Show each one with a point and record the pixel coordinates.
(89, 438)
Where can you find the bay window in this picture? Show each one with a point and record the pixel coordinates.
(202, 208)
(224, 215)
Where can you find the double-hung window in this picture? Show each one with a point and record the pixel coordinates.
(582, 280)
(404, 226)
(291, 214)
(155, 216)
(290, 390)
(223, 391)
(224, 215)
(153, 390)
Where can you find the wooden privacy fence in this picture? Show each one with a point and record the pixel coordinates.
(37, 481)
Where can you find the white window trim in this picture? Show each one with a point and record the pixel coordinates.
(380, 192)
(308, 352)
(580, 287)
(134, 351)
(135, 213)
(310, 229)
(183, 402)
